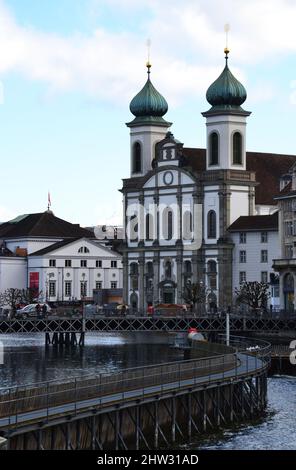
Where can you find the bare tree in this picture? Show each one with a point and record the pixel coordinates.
(254, 294)
(196, 295)
(11, 298)
(30, 295)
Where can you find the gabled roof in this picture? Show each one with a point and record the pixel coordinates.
(255, 222)
(44, 224)
(53, 247)
(267, 166)
(64, 243)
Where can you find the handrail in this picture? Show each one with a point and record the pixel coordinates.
(46, 395)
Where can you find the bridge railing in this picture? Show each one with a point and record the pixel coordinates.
(257, 348)
(17, 400)
(54, 397)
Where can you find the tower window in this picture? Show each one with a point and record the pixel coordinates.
(137, 158)
(237, 149)
(214, 148)
(212, 224)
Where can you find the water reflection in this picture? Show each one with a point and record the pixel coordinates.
(26, 360)
(274, 432)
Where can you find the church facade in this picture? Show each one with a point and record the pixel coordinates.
(179, 203)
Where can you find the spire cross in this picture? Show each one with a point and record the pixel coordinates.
(226, 50)
(148, 64)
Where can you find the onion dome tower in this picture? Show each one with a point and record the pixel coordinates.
(226, 122)
(148, 126)
(226, 93)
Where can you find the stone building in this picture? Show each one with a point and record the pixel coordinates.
(61, 260)
(285, 264)
(173, 192)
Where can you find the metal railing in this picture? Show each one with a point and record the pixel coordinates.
(47, 399)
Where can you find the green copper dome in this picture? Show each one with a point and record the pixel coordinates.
(226, 92)
(148, 103)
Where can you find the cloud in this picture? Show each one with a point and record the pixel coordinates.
(6, 214)
(187, 43)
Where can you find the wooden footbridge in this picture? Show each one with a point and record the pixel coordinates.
(140, 408)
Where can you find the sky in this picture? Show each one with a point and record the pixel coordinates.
(69, 69)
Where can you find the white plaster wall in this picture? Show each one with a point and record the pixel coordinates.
(226, 126)
(148, 136)
(239, 203)
(253, 267)
(13, 273)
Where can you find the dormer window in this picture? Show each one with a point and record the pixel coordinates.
(214, 149)
(83, 249)
(137, 158)
(237, 149)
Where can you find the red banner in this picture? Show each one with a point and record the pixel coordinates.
(34, 281)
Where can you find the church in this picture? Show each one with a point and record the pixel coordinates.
(204, 216)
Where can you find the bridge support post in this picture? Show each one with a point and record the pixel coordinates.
(47, 339)
(67, 339)
(189, 405)
(61, 339)
(82, 339)
(156, 425)
(173, 419)
(137, 425)
(78, 436)
(117, 430)
(73, 339)
(204, 411)
(231, 402)
(218, 418)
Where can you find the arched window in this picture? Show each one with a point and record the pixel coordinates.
(187, 267)
(170, 225)
(212, 274)
(149, 227)
(83, 249)
(167, 224)
(212, 231)
(168, 270)
(133, 228)
(214, 149)
(187, 225)
(149, 269)
(137, 158)
(134, 269)
(237, 148)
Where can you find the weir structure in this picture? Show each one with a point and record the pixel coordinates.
(141, 408)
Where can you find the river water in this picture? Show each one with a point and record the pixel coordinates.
(27, 361)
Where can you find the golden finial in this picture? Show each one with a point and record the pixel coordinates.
(148, 63)
(226, 49)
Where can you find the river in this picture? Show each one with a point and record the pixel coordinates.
(27, 361)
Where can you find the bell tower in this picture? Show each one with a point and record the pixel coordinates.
(148, 127)
(226, 122)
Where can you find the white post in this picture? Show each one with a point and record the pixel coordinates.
(227, 329)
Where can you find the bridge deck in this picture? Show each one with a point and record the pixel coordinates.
(246, 365)
(169, 324)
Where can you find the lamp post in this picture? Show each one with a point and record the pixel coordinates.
(82, 337)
